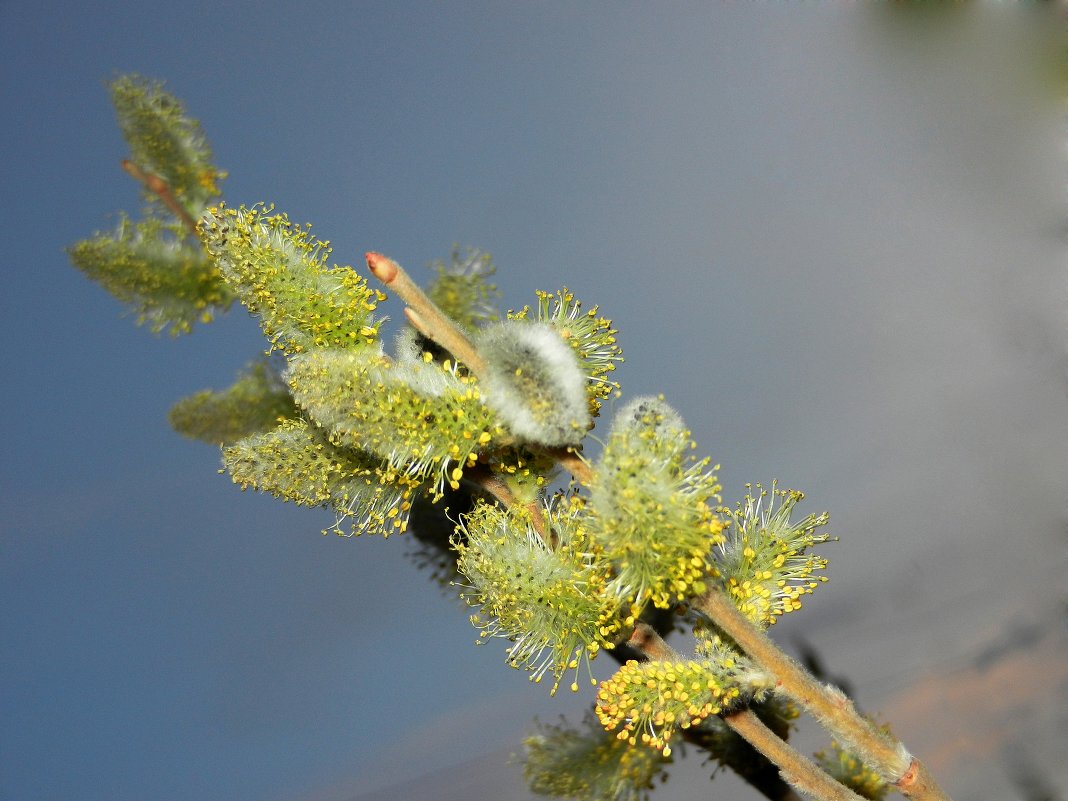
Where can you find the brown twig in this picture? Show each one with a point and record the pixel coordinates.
(503, 493)
(827, 704)
(162, 190)
(572, 461)
(648, 641)
(797, 769)
(541, 525)
(491, 484)
(424, 315)
(917, 782)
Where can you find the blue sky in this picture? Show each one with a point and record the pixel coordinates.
(832, 235)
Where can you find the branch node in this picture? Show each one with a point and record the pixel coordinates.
(909, 777)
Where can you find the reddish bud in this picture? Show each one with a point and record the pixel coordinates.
(382, 267)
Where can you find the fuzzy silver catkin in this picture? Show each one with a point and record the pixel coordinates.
(534, 382)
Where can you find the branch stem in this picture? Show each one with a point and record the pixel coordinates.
(541, 526)
(646, 639)
(162, 190)
(572, 461)
(797, 770)
(828, 705)
(492, 484)
(427, 318)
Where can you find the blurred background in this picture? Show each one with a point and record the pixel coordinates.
(833, 235)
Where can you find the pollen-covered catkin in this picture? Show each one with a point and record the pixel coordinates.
(279, 271)
(765, 560)
(550, 602)
(424, 419)
(297, 463)
(654, 507)
(587, 763)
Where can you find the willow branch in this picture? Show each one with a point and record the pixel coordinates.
(504, 495)
(431, 322)
(797, 769)
(424, 315)
(491, 484)
(572, 461)
(828, 705)
(541, 526)
(162, 190)
(750, 762)
(648, 641)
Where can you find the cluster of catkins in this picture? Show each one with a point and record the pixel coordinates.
(561, 575)
(336, 419)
